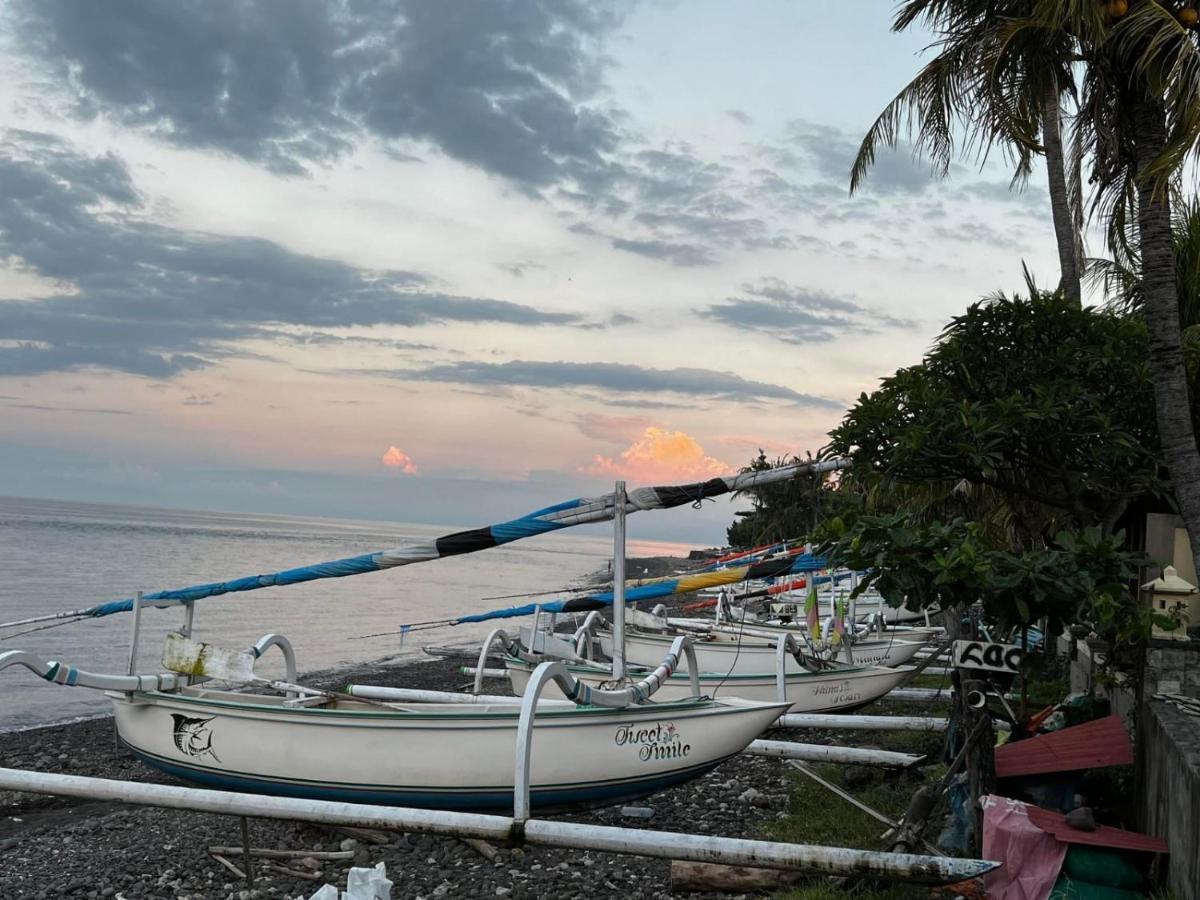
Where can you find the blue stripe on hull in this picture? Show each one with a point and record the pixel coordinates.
(487, 801)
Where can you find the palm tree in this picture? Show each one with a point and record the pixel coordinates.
(1001, 86)
(1139, 121)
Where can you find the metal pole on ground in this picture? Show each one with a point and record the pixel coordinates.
(663, 845)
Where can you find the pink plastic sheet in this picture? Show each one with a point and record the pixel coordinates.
(1031, 858)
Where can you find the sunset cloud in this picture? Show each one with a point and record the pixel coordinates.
(660, 456)
(395, 458)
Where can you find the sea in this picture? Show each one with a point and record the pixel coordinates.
(58, 556)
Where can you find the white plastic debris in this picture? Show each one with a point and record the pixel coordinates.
(361, 884)
(368, 884)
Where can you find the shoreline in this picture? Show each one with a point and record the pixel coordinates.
(52, 846)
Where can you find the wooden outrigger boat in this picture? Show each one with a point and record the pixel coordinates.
(751, 656)
(420, 748)
(827, 690)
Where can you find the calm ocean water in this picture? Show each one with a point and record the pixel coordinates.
(59, 556)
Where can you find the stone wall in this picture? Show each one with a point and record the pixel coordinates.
(1169, 769)
(1176, 663)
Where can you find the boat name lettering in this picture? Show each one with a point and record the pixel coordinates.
(822, 690)
(654, 742)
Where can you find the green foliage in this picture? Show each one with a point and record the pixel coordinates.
(1081, 577)
(784, 510)
(1048, 406)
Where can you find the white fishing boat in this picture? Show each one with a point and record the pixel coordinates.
(828, 690)
(751, 656)
(444, 756)
(887, 651)
(287, 740)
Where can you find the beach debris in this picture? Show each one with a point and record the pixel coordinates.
(483, 848)
(361, 884)
(637, 812)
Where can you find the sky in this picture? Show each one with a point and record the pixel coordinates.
(451, 262)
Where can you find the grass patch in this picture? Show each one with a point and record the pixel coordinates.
(816, 815)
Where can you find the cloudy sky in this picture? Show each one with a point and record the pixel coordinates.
(448, 262)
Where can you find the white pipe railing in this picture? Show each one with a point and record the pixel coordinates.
(814, 860)
(267, 641)
(496, 635)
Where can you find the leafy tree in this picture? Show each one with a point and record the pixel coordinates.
(1037, 408)
(784, 510)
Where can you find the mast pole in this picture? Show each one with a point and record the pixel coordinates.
(618, 654)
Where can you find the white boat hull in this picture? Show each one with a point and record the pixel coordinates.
(886, 651)
(807, 692)
(434, 756)
(753, 656)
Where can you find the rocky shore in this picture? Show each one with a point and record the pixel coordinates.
(52, 847)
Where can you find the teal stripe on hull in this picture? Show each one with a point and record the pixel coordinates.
(467, 799)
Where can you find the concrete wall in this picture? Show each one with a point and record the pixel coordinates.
(1169, 763)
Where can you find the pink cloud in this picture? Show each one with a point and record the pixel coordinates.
(660, 456)
(395, 458)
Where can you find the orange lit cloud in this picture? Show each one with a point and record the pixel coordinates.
(660, 456)
(395, 458)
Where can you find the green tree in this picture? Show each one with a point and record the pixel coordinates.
(989, 85)
(1029, 415)
(785, 510)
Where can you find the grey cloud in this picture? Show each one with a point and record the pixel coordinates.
(512, 87)
(500, 85)
(325, 338)
(618, 377)
(739, 116)
(156, 301)
(976, 232)
(618, 319)
(40, 407)
(832, 151)
(798, 315)
(676, 254)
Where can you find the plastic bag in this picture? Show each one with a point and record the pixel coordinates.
(361, 884)
(368, 884)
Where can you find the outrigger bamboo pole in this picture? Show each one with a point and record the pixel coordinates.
(862, 723)
(828, 754)
(664, 845)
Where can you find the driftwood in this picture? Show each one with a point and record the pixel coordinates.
(697, 876)
(370, 835)
(483, 848)
(283, 854)
(230, 866)
(293, 873)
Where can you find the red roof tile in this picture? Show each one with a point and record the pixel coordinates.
(1102, 742)
(1104, 835)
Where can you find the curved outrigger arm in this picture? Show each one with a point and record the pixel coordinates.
(61, 673)
(639, 692)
